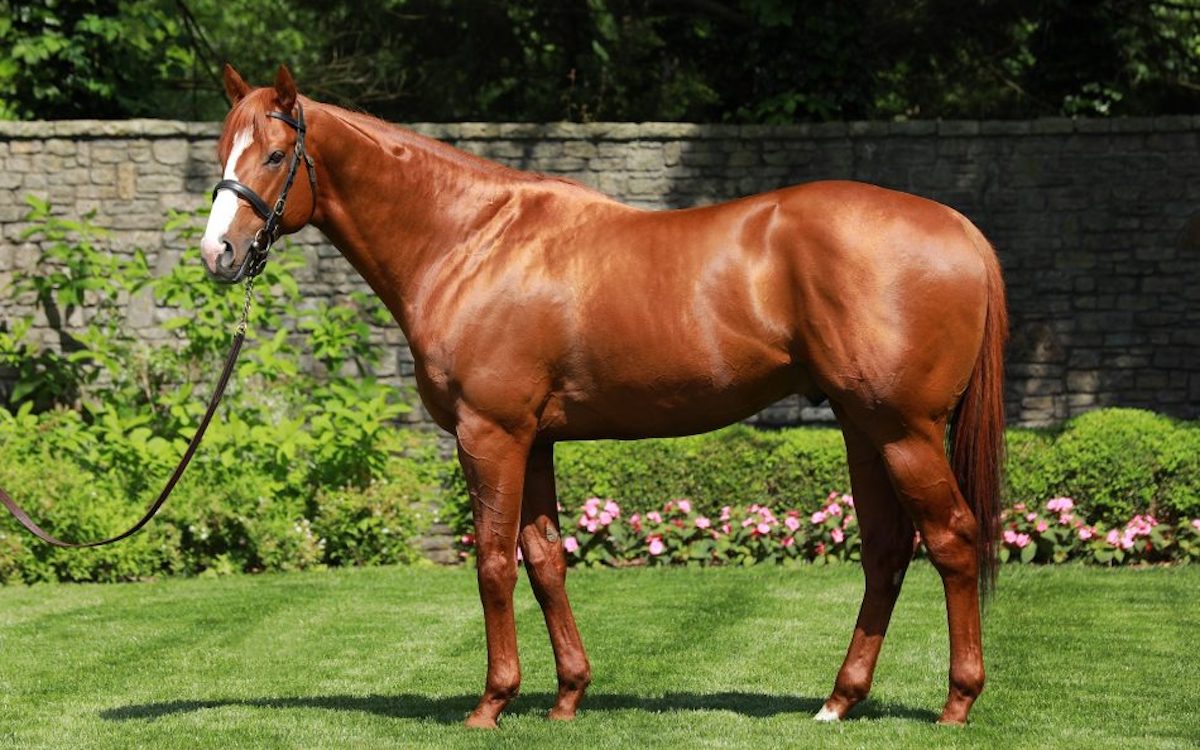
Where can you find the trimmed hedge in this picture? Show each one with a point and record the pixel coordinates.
(231, 514)
(1115, 463)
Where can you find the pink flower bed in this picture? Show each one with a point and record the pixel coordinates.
(600, 533)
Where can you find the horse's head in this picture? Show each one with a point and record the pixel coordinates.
(262, 150)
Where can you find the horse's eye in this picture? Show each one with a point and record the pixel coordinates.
(275, 157)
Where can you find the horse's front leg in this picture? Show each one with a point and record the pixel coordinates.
(493, 461)
(546, 563)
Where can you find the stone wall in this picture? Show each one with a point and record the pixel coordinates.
(1097, 222)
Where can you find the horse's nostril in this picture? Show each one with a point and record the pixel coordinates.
(227, 256)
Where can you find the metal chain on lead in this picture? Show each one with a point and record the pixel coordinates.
(241, 326)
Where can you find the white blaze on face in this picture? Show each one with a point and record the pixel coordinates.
(224, 206)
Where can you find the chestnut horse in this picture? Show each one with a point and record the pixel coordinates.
(539, 310)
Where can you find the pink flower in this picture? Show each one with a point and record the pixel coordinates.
(1019, 507)
(837, 535)
(747, 522)
(726, 528)
(792, 523)
(654, 517)
(1060, 505)
(591, 511)
(834, 509)
(636, 521)
(848, 500)
(685, 506)
(763, 528)
(1113, 538)
(520, 557)
(1127, 541)
(1066, 519)
(1042, 526)
(1010, 536)
(1086, 533)
(788, 542)
(612, 509)
(725, 513)
(656, 545)
(605, 518)
(592, 525)
(820, 548)
(467, 539)
(1031, 517)
(1022, 541)
(1196, 524)
(818, 517)
(702, 522)
(570, 544)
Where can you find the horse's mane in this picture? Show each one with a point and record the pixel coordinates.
(386, 134)
(251, 112)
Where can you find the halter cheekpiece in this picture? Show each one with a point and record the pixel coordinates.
(256, 259)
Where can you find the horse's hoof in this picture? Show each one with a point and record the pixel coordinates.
(827, 714)
(474, 721)
(561, 714)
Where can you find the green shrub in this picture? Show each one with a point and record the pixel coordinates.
(378, 524)
(71, 503)
(113, 413)
(1114, 463)
(1029, 473)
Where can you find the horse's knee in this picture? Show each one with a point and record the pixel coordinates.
(547, 567)
(497, 573)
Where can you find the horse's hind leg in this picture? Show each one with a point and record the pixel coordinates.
(545, 561)
(925, 485)
(887, 548)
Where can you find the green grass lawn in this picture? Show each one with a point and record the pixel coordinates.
(394, 657)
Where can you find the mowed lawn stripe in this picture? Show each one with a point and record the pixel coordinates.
(68, 667)
(683, 658)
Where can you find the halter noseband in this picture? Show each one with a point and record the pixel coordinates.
(256, 259)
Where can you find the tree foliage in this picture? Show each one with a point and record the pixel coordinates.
(527, 60)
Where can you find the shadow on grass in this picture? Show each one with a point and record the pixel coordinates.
(453, 709)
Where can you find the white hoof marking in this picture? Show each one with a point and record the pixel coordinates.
(827, 714)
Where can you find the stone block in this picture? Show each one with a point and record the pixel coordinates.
(171, 151)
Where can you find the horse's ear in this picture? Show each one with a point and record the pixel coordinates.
(285, 89)
(235, 88)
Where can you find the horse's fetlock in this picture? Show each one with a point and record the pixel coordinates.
(504, 686)
(968, 682)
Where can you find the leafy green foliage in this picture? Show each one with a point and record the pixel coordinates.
(115, 413)
(537, 60)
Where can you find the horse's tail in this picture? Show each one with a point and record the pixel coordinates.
(976, 443)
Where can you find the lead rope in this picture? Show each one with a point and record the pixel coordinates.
(239, 335)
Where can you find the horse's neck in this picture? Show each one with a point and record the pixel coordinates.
(396, 204)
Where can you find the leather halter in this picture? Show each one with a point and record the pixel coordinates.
(256, 258)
